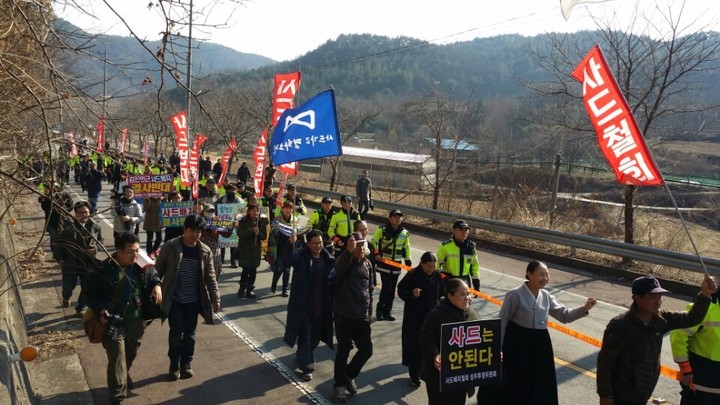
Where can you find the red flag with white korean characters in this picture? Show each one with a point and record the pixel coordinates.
(124, 140)
(101, 135)
(194, 164)
(225, 160)
(286, 86)
(259, 157)
(180, 124)
(618, 135)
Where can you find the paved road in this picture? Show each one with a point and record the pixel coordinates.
(242, 359)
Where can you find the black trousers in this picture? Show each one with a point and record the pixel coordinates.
(387, 292)
(349, 331)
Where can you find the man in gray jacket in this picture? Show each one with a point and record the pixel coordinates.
(363, 189)
(353, 290)
(189, 285)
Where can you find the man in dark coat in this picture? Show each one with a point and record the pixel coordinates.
(421, 289)
(243, 173)
(309, 315)
(251, 231)
(93, 185)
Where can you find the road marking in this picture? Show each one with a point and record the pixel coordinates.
(307, 390)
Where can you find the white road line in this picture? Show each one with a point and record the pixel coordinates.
(307, 390)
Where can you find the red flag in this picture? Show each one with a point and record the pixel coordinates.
(225, 160)
(286, 86)
(73, 145)
(259, 157)
(617, 132)
(194, 164)
(179, 123)
(280, 198)
(124, 140)
(101, 135)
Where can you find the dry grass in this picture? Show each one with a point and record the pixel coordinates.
(52, 343)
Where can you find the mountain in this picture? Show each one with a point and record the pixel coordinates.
(130, 63)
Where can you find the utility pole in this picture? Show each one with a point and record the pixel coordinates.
(188, 79)
(555, 186)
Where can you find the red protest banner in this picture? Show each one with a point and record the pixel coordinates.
(180, 124)
(286, 86)
(259, 157)
(194, 169)
(617, 132)
(101, 135)
(124, 140)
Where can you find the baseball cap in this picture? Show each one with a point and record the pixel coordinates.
(346, 198)
(358, 237)
(209, 207)
(461, 224)
(647, 284)
(327, 200)
(395, 212)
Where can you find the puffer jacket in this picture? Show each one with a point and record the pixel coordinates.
(628, 365)
(132, 209)
(353, 287)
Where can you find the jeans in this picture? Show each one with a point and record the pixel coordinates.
(69, 282)
(281, 269)
(93, 200)
(349, 331)
(121, 351)
(154, 239)
(183, 319)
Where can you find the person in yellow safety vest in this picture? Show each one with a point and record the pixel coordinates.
(341, 223)
(457, 257)
(697, 352)
(392, 242)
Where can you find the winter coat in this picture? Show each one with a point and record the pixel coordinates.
(628, 365)
(132, 209)
(151, 208)
(168, 266)
(303, 291)
(417, 308)
(353, 287)
(444, 312)
(75, 240)
(249, 250)
(103, 289)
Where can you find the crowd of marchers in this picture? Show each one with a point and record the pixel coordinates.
(329, 270)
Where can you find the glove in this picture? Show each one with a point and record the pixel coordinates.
(476, 284)
(408, 262)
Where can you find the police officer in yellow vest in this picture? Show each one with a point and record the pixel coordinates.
(457, 256)
(342, 222)
(392, 243)
(697, 352)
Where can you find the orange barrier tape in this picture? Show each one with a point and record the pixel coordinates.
(665, 370)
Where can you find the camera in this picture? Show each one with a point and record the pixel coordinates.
(114, 320)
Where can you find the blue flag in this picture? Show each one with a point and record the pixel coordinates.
(307, 132)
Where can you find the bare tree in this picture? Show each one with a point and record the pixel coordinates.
(652, 70)
(448, 123)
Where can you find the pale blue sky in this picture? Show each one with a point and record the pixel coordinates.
(285, 29)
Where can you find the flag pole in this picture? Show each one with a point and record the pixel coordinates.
(687, 231)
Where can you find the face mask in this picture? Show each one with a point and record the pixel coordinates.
(209, 215)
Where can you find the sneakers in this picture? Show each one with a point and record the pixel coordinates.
(186, 371)
(339, 395)
(305, 376)
(174, 371)
(351, 387)
(66, 303)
